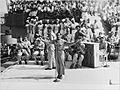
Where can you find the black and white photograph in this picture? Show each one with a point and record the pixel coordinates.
(59, 44)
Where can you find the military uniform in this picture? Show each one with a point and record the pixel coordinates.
(60, 57)
(22, 50)
(51, 51)
(38, 50)
(78, 55)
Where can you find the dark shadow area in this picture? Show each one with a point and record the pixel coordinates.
(30, 68)
(33, 77)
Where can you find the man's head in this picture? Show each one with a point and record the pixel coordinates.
(112, 33)
(40, 22)
(57, 21)
(73, 20)
(102, 39)
(49, 29)
(59, 36)
(100, 33)
(20, 39)
(25, 38)
(80, 38)
(78, 27)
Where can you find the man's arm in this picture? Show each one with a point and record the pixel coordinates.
(48, 41)
(70, 44)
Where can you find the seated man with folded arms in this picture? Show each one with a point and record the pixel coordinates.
(38, 49)
(21, 51)
(78, 53)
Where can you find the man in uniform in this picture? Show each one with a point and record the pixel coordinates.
(78, 48)
(51, 49)
(79, 33)
(78, 53)
(27, 44)
(21, 50)
(38, 49)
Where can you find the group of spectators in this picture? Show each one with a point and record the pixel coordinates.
(108, 10)
(111, 11)
(61, 9)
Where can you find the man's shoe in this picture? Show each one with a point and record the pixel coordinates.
(71, 66)
(37, 63)
(54, 67)
(42, 63)
(78, 66)
(59, 76)
(19, 62)
(48, 69)
(25, 62)
(106, 65)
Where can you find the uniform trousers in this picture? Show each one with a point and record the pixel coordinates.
(22, 52)
(78, 58)
(51, 58)
(60, 57)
